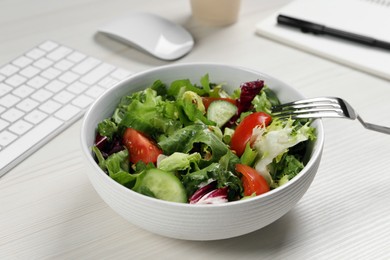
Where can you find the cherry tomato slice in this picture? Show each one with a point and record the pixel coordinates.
(252, 181)
(243, 131)
(140, 147)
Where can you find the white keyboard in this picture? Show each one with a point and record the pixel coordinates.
(44, 91)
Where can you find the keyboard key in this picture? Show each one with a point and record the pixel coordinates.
(28, 141)
(63, 97)
(42, 95)
(86, 65)
(43, 63)
(63, 65)
(3, 124)
(59, 53)
(35, 53)
(67, 112)
(51, 73)
(95, 91)
(4, 89)
(20, 127)
(50, 106)
(37, 82)
(9, 100)
(96, 74)
(12, 114)
(48, 46)
(23, 91)
(29, 71)
(35, 116)
(121, 74)
(8, 70)
(68, 77)
(77, 87)
(27, 105)
(82, 101)
(22, 61)
(107, 82)
(15, 80)
(6, 138)
(55, 86)
(76, 56)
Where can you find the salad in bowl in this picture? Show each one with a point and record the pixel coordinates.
(168, 150)
(201, 143)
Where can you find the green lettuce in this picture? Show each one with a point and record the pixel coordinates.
(195, 149)
(178, 87)
(178, 161)
(196, 137)
(264, 101)
(149, 113)
(117, 166)
(276, 139)
(285, 169)
(192, 109)
(107, 128)
(222, 172)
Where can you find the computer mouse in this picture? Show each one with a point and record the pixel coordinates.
(151, 33)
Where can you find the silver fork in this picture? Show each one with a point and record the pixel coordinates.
(323, 107)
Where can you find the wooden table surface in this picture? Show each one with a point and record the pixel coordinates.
(49, 210)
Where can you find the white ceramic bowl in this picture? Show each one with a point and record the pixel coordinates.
(196, 222)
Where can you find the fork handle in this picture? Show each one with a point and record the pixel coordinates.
(378, 128)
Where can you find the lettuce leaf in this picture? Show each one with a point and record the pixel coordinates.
(178, 87)
(107, 128)
(214, 172)
(195, 138)
(285, 169)
(117, 167)
(178, 161)
(265, 100)
(276, 139)
(149, 113)
(192, 109)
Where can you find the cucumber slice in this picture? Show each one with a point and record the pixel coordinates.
(161, 185)
(220, 112)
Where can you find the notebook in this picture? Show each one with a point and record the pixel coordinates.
(365, 17)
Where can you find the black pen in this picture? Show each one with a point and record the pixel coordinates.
(315, 28)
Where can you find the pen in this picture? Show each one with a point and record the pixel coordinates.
(315, 28)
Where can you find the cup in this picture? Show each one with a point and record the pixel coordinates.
(215, 12)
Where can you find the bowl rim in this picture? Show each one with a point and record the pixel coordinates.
(316, 153)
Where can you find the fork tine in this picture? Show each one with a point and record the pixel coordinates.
(296, 106)
(317, 99)
(307, 103)
(323, 107)
(310, 108)
(309, 113)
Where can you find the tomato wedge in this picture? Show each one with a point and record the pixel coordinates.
(207, 100)
(252, 181)
(243, 131)
(140, 147)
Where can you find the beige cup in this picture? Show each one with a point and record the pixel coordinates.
(215, 12)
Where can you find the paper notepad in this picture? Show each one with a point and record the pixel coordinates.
(365, 17)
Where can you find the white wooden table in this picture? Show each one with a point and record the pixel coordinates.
(49, 210)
